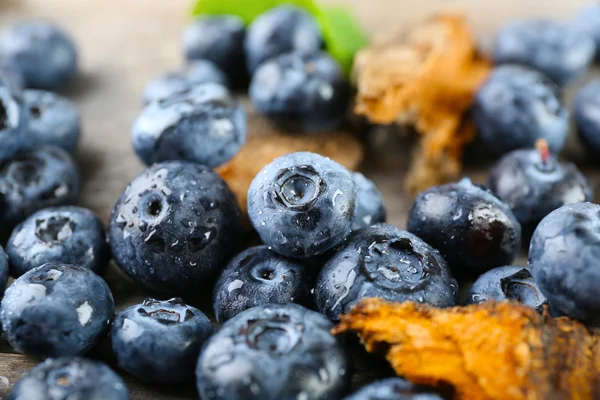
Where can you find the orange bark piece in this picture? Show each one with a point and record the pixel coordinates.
(489, 351)
(425, 77)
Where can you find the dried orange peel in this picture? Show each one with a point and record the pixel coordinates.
(488, 351)
(265, 143)
(425, 77)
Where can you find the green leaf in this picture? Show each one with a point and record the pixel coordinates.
(342, 33)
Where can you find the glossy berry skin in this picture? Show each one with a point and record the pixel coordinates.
(220, 39)
(69, 235)
(386, 262)
(53, 120)
(517, 106)
(203, 124)
(194, 73)
(46, 177)
(3, 271)
(558, 50)
(56, 310)
(280, 30)
(273, 352)
(159, 341)
(393, 389)
(586, 113)
(370, 208)
(302, 204)
(174, 227)
(259, 276)
(44, 55)
(510, 283)
(472, 228)
(563, 260)
(533, 188)
(301, 92)
(14, 135)
(71, 378)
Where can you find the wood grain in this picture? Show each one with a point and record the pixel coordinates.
(124, 43)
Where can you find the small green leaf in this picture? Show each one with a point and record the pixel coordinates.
(342, 33)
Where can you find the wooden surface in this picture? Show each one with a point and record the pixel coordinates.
(124, 43)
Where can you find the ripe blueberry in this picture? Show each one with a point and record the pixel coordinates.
(175, 226)
(302, 204)
(587, 115)
(370, 208)
(14, 135)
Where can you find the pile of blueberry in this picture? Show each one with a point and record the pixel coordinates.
(178, 232)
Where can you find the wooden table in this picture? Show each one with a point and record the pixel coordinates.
(124, 43)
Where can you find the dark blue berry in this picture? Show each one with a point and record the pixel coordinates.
(587, 20)
(507, 283)
(259, 276)
(302, 204)
(563, 258)
(192, 74)
(14, 135)
(556, 49)
(220, 39)
(56, 310)
(301, 92)
(370, 208)
(282, 29)
(3, 271)
(44, 55)
(203, 124)
(47, 177)
(587, 115)
(393, 389)
(517, 106)
(69, 235)
(533, 184)
(386, 262)
(159, 341)
(472, 228)
(53, 120)
(71, 378)
(273, 352)
(175, 226)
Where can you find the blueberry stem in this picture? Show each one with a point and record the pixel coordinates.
(542, 147)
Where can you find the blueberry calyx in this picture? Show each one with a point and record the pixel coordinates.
(519, 287)
(54, 230)
(299, 187)
(276, 336)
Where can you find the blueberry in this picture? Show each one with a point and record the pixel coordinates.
(558, 50)
(193, 73)
(56, 310)
(472, 228)
(202, 124)
(587, 115)
(260, 276)
(306, 92)
(42, 53)
(563, 257)
(14, 135)
(175, 225)
(273, 352)
(533, 183)
(69, 235)
(370, 208)
(11, 78)
(3, 271)
(386, 262)
(302, 204)
(220, 39)
(159, 341)
(507, 283)
(282, 29)
(71, 378)
(517, 106)
(53, 120)
(47, 177)
(587, 20)
(393, 389)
